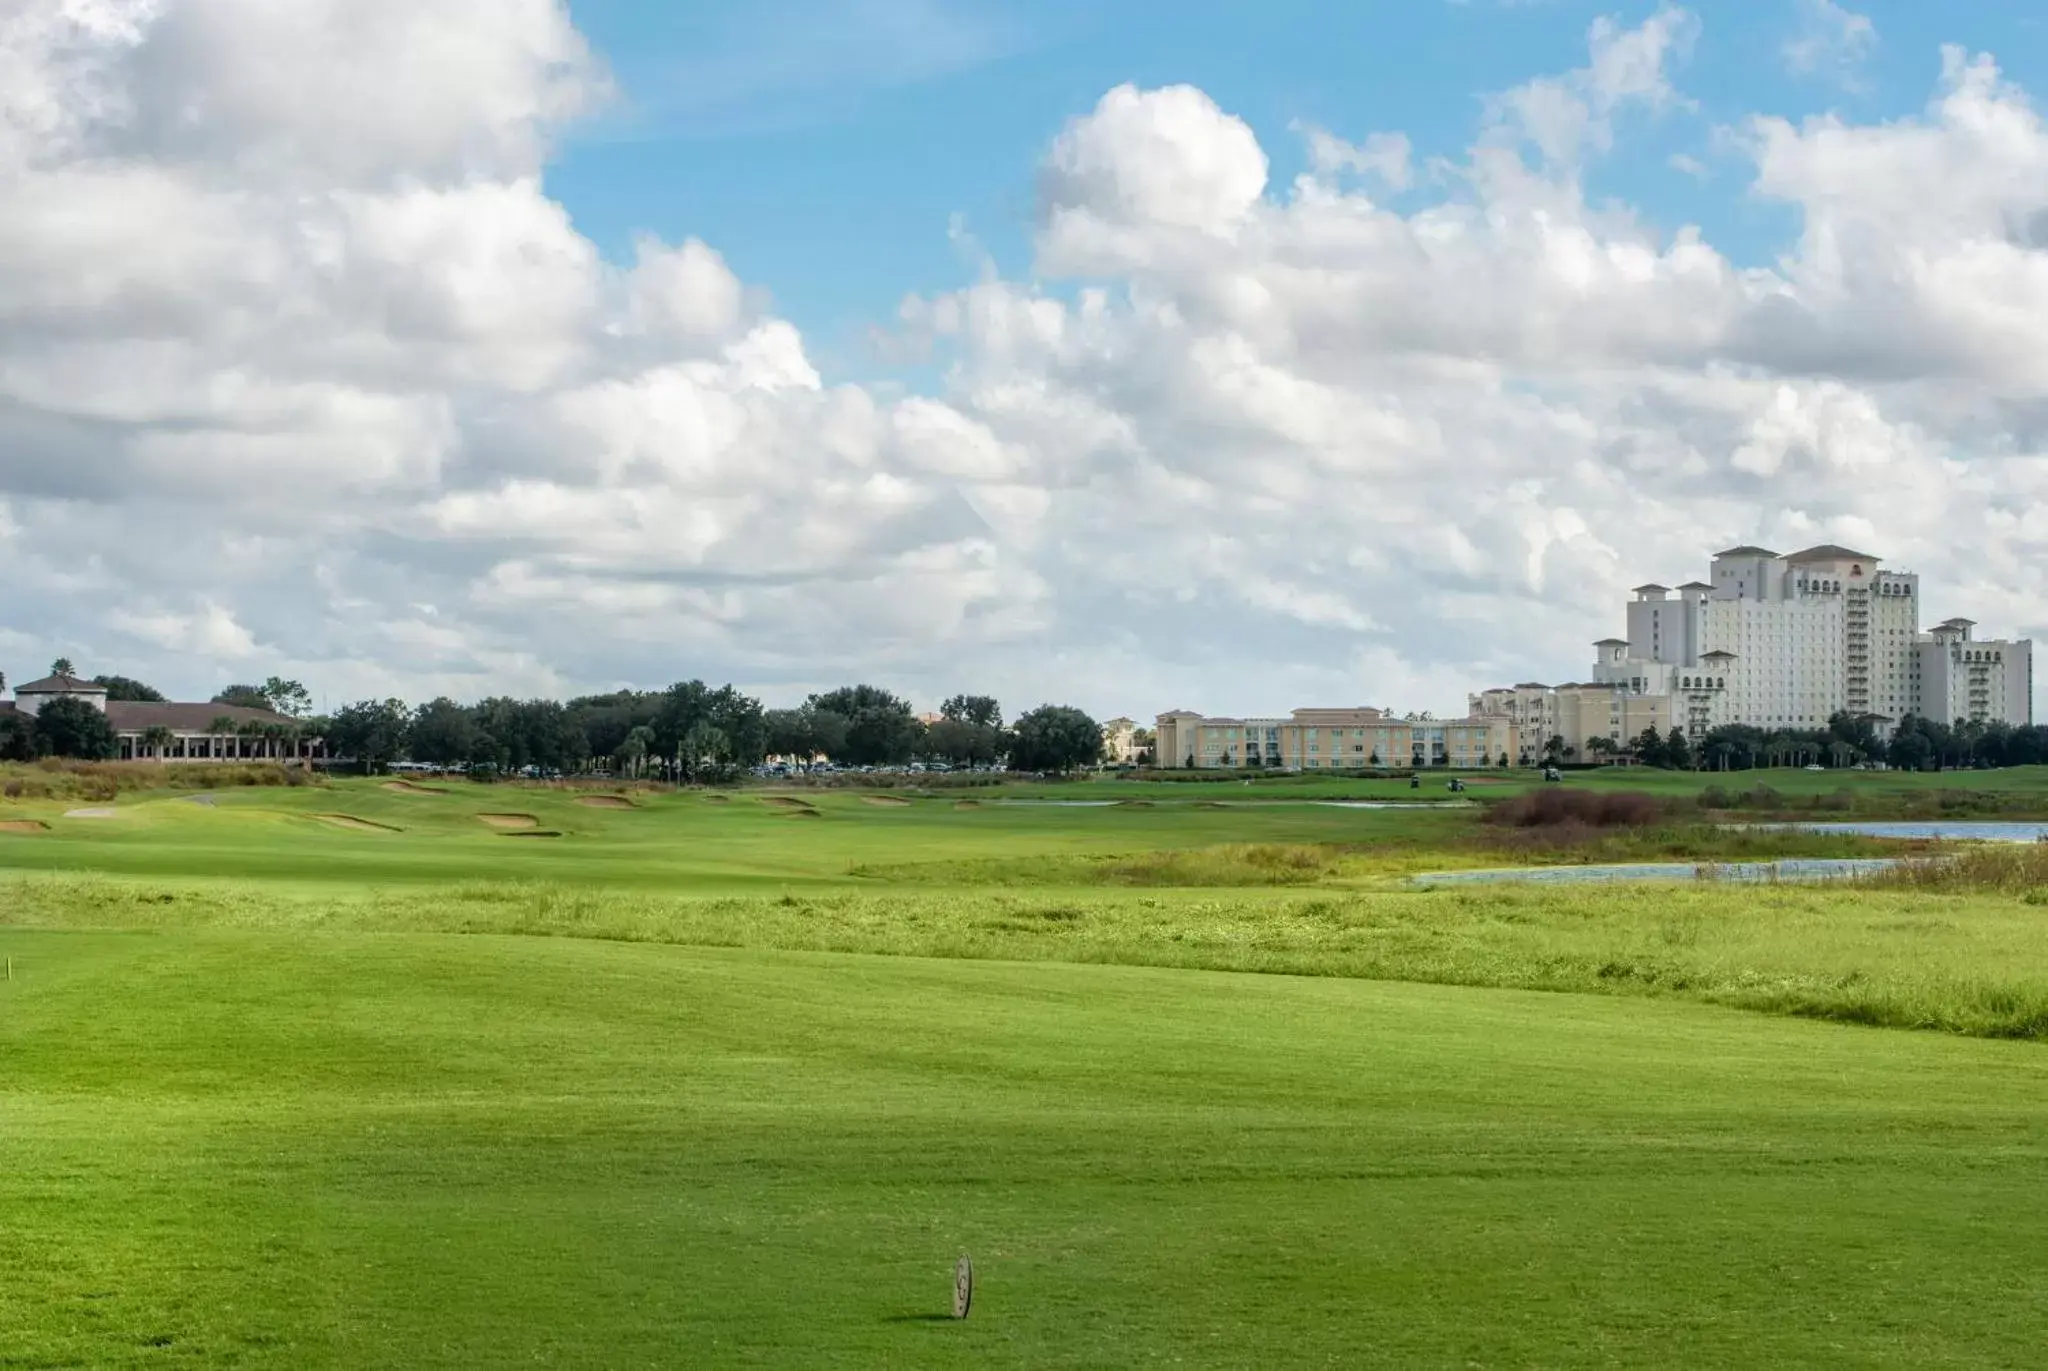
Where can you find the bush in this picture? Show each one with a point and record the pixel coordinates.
(1579, 808)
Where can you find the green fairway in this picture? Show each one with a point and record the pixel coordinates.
(418, 1151)
(367, 1075)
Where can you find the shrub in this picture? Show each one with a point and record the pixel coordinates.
(1579, 808)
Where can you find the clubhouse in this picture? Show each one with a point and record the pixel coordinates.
(179, 732)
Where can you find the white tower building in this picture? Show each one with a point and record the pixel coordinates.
(1780, 641)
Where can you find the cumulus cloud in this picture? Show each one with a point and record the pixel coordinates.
(292, 377)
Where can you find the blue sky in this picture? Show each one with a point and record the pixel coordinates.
(1389, 440)
(825, 147)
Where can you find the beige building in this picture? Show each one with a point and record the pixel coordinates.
(1577, 713)
(1120, 746)
(1331, 740)
(170, 732)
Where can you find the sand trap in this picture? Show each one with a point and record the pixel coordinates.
(408, 788)
(95, 813)
(967, 804)
(23, 826)
(207, 800)
(351, 822)
(513, 821)
(605, 802)
(786, 802)
(801, 814)
(885, 801)
(533, 833)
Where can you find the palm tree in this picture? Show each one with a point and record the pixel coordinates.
(222, 727)
(251, 731)
(62, 667)
(156, 738)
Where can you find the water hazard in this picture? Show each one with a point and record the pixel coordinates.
(1791, 869)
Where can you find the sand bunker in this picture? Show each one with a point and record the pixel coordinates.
(533, 833)
(801, 814)
(967, 804)
(885, 801)
(786, 802)
(510, 821)
(23, 826)
(350, 821)
(605, 801)
(94, 813)
(409, 788)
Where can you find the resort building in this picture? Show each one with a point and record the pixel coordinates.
(1786, 641)
(1577, 715)
(1974, 679)
(1120, 742)
(1331, 739)
(178, 732)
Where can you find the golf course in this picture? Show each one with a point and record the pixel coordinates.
(425, 1073)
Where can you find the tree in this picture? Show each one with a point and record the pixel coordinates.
(880, 728)
(631, 756)
(243, 697)
(1553, 749)
(973, 709)
(62, 667)
(1649, 746)
(124, 688)
(19, 741)
(158, 739)
(963, 742)
(70, 727)
(373, 732)
(706, 751)
(443, 734)
(1054, 738)
(286, 697)
(1677, 751)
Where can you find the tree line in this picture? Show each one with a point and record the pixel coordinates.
(690, 731)
(1916, 744)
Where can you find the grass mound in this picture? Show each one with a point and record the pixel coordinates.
(351, 822)
(509, 821)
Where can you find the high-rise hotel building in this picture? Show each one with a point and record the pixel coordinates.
(1787, 641)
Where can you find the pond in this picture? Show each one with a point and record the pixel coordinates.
(1955, 830)
(1786, 869)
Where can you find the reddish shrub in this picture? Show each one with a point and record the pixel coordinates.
(1577, 809)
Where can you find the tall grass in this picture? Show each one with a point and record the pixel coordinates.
(1990, 868)
(56, 778)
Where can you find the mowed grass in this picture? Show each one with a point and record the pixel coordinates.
(406, 1150)
(354, 1076)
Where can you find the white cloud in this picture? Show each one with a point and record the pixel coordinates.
(1831, 40)
(350, 397)
(1567, 117)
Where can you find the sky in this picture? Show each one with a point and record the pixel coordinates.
(1138, 356)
